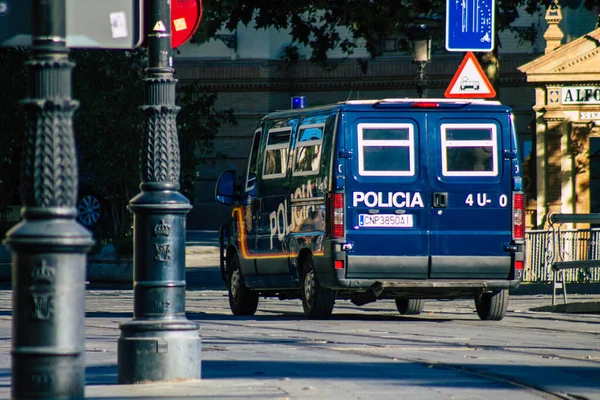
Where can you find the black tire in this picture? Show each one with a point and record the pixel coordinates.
(242, 301)
(317, 301)
(410, 306)
(492, 306)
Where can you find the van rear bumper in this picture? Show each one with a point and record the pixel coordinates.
(431, 285)
(365, 291)
(494, 277)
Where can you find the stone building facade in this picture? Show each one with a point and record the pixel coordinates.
(565, 165)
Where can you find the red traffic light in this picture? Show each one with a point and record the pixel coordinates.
(185, 20)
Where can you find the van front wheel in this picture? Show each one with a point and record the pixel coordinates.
(242, 301)
(317, 301)
(410, 306)
(492, 306)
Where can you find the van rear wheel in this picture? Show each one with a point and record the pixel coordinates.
(242, 301)
(492, 306)
(317, 300)
(410, 306)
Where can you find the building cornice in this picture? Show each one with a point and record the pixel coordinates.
(385, 73)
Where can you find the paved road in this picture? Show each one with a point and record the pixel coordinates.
(369, 352)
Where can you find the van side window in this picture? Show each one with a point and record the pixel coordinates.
(308, 150)
(386, 149)
(251, 172)
(276, 154)
(469, 150)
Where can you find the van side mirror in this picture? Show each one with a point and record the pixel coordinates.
(225, 188)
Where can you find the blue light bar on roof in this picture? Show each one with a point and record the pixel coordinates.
(298, 102)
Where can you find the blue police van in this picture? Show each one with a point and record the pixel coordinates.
(403, 199)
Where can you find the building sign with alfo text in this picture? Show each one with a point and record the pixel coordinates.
(580, 95)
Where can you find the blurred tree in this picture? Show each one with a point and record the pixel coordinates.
(12, 128)
(108, 85)
(108, 128)
(198, 122)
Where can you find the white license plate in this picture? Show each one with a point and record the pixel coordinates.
(385, 220)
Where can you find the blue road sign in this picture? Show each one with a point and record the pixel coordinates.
(470, 25)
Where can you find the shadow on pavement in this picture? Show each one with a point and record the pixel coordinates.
(425, 374)
(101, 375)
(290, 316)
(403, 373)
(105, 314)
(204, 278)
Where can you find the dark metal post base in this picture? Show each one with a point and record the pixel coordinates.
(48, 279)
(158, 351)
(160, 343)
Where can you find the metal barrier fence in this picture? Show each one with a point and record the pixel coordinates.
(547, 246)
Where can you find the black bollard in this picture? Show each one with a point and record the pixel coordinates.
(49, 246)
(159, 343)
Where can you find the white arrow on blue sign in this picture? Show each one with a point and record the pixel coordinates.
(470, 25)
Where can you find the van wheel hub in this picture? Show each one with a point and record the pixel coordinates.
(235, 284)
(309, 286)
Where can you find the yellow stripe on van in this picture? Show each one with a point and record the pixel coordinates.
(239, 210)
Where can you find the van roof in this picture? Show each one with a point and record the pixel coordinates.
(422, 100)
(401, 103)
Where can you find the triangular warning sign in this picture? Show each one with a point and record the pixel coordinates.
(470, 81)
(159, 27)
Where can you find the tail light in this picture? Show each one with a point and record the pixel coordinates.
(336, 215)
(518, 215)
(519, 265)
(425, 104)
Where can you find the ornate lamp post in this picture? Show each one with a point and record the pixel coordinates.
(49, 246)
(419, 38)
(159, 343)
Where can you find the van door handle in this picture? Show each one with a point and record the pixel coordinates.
(440, 200)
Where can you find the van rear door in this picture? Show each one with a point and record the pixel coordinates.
(387, 195)
(471, 188)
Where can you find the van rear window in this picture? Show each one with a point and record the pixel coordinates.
(469, 150)
(386, 149)
(276, 154)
